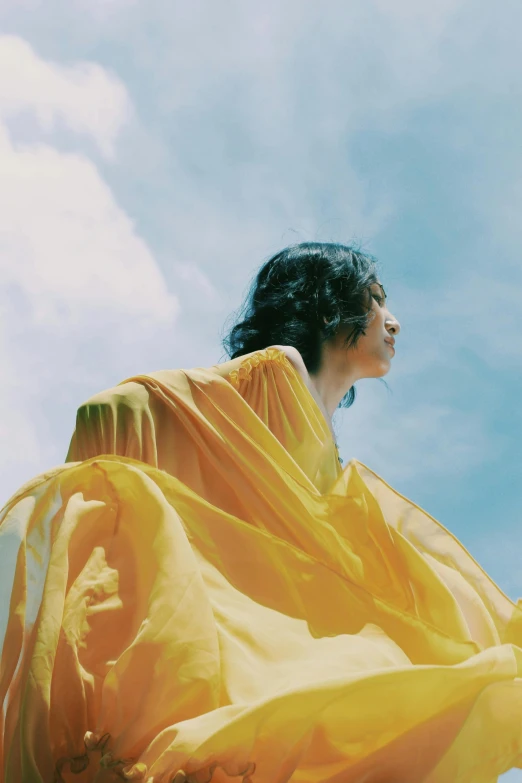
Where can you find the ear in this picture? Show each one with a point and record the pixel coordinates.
(327, 321)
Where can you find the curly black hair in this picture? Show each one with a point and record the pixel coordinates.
(301, 297)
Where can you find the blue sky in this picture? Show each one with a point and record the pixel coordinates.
(154, 153)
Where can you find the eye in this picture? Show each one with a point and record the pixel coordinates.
(378, 298)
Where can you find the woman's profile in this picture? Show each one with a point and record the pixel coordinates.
(202, 592)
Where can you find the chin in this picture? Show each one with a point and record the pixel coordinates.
(383, 368)
(378, 368)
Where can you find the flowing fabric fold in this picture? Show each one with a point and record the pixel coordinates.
(196, 598)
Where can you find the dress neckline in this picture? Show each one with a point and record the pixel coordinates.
(239, 368)
(314, 402)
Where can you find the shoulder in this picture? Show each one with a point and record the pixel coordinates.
(293, 355)
(243, 367)
(291, 352)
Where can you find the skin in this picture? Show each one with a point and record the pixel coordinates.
(341, 367)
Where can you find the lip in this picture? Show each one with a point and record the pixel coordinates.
(390, 342)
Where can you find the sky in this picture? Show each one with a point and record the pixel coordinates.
(153, 153)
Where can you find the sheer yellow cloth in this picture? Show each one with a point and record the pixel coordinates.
(201, 593)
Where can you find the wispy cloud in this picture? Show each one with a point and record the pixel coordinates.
(410, 441)
(83, 97)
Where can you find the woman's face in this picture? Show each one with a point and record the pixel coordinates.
(373, 353)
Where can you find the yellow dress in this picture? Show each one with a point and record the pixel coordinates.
(201, 594)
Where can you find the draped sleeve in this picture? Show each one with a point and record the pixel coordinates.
(122, 421)
(148, 417)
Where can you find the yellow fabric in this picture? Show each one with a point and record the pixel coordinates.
(201, 593)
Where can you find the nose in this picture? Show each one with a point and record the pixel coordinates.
(392, 325)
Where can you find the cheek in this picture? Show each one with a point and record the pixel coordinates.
(376, 346)
(371, 349)
(375, 331)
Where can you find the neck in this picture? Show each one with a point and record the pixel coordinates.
(331, 382)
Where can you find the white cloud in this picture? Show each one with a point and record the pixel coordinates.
(83, 97)
(73, 268)
(67, 245)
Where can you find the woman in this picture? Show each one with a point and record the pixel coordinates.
(203, 593)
